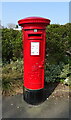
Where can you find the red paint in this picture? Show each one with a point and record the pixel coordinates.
(34, 64)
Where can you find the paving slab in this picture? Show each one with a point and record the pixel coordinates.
(16, 107)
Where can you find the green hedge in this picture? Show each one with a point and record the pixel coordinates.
(58, 55)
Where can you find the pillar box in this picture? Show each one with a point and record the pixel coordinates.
(34, 41)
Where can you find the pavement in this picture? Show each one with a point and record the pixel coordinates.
(16, 107)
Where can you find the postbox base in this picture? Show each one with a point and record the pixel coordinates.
(34, 97)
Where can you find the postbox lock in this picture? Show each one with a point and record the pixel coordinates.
(41, 66)
(35, 30)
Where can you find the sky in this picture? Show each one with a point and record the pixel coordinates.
(57, 12)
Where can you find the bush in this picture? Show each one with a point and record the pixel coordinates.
(57, 73)
(11, 45)
(12, 74)
(58, 52)
(58, 43)
(58, 55)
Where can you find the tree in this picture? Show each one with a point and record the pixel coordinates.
(11, 25)
(11, 45)
(1, 27)
(16, 26)
(58, 42)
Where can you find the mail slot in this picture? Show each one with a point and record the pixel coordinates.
(35, 35)
(34, 41)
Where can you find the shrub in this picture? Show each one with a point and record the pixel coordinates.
(57, 73)
(11, 45)
(12, 74)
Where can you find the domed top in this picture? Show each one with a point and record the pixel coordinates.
(34, 20)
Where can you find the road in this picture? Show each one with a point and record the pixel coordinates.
(16, 107)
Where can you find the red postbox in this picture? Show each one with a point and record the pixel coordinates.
(34, 40)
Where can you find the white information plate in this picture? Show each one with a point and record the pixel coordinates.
(34, 48)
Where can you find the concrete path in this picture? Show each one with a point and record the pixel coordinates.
(16, 107)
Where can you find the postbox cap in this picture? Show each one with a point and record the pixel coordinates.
(34, 20)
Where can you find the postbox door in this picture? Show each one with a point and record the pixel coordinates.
(34, 54)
